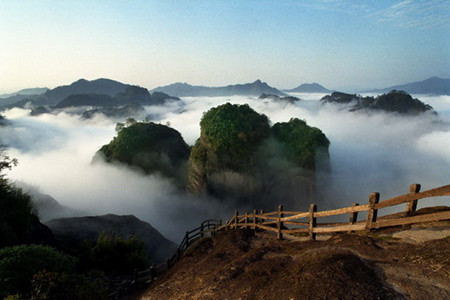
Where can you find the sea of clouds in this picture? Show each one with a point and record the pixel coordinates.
(376, 152)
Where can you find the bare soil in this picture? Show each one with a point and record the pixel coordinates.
(244, 264)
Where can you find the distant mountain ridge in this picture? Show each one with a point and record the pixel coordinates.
(430, 86)
(100, 92)
(249, 89)
(100, 86)
(309, 88)
(25, 92)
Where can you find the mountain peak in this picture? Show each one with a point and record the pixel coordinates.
(309, 88)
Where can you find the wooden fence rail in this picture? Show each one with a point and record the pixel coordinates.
(282, 222)
(289, 222)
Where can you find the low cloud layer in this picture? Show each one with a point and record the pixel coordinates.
(369, 152)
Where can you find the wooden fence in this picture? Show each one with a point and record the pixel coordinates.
(206, 228)
(289, 222)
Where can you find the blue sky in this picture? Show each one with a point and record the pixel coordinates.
(346, 45)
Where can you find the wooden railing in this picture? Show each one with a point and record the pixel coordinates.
(206, 228)
(292, 222)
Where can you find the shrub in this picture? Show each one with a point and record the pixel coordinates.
(19, 264)
(53, 285)
(116, 255)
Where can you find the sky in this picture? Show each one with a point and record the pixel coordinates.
(343, 45)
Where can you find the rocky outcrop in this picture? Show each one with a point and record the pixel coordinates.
(150, 147)
(238, 157)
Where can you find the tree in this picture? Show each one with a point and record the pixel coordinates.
(17, 216)
(19, 264)
(116, 255)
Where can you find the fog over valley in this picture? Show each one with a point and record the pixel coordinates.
(369, 151)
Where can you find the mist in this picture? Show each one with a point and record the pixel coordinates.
(376, 152)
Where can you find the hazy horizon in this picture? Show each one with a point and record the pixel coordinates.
(343, 45)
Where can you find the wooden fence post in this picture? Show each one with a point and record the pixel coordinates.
(255, 219)
(201, 230)
(236, 216)
(178, 253)
(312, 221)
(246, 220)
(353, 217)
(411, 206)
(152, 272)
(374, 198)
(280, 223)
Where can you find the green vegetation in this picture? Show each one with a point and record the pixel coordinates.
(148, 146)
(53, 285)
(239, 156)
(17, 216)
(116, 255)
(301, 142)
(233, 133)
(19, 264)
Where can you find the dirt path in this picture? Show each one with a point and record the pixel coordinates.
(242, 264)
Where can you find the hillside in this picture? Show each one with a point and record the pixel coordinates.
(249, 89)
(74, 232)
(242, 264)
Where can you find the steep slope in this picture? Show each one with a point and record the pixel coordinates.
(242, 264)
